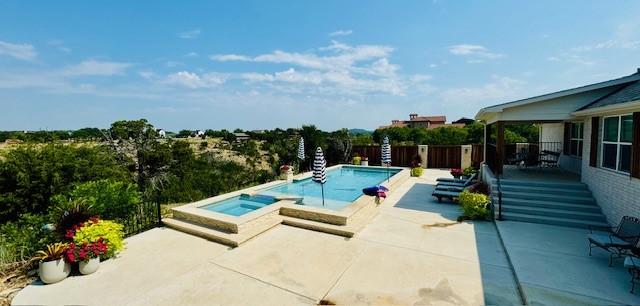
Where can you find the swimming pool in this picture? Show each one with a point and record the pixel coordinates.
(344, 185)
(240, 205)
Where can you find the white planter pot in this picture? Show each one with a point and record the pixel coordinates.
(53, 271)
(364, 163)
(89, 266)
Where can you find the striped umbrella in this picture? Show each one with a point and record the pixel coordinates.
(386, 154)
(300, 152)
(320, 170)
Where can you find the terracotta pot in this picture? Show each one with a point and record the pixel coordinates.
(89, 266)
(53, 271)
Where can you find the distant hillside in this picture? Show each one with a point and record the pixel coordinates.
(360, 132)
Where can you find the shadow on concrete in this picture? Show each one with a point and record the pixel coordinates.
(498, 281)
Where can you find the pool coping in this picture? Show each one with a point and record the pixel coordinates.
(194, 213)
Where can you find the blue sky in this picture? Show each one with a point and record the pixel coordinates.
(266, 64)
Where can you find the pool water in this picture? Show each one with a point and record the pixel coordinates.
(344, 185)
(240, 205)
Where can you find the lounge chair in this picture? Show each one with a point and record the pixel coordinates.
(620, 241)
(450, 180)
(450, 194)
(464, 183)
(632, 263)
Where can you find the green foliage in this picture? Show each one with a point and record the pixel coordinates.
(468, 171)
(356, 160)
(110, 231)
(474, 205)
(31, 175)
(204, 145)
(66, 213)
(107, 198)
(338, 147)
(20, 239)
(417, 171)
(362, 139)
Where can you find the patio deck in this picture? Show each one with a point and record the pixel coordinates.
(540, 174)
(412, 253)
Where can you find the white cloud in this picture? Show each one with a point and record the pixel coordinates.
(473, 51)
(609, 44)
(496, 91)
(96, 68)
(191, 54)
(190, 34)
(25, 52)
(341, 33)
(193, 80)
(59, 45)
(230, 58)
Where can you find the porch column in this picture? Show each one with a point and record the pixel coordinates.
(487, 141)
(499, 147)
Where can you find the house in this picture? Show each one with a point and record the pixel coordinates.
(589, 147)
(161, 133)
(241, 137)
(415, 121)
(464, 120)
(200, 133)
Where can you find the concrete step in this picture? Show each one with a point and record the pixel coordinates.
(552, 220)
(553, 185)
(557, 213)
(556, 197)
(539, 189)
(592, 208)
(230, 239)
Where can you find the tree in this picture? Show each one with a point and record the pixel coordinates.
(339, 147)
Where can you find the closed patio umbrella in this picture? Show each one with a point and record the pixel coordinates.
(300, 153)
(320, 170)
(386, 154)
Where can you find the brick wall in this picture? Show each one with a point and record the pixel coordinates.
(617, 194)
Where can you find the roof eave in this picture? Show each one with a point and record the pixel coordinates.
(619, 107)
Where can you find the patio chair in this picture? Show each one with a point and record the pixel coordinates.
(619, 241)
(632, 263)
(450, 180)
(549, 158)
(519, 157)
(450, 194)
(465, 183)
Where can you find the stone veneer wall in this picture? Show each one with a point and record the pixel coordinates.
(616, 193)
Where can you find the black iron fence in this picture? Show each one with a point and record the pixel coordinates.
(532, 153)
(143, 217)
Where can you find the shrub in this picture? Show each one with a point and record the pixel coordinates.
(203, 145)
(474, 205)
(109, 232)
(455, 172)
(357, 160)
(469, 171)
(480, 187)
(417, 171)
(19, 240)
(107, 198)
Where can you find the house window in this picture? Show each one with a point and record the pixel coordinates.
(577, 130)
(616, 142)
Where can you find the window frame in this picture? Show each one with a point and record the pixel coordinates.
(579, 141)
(617, 143)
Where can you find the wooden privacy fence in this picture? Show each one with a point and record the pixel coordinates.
(444, 157)
(477, 155)
(401, 156)
(437, 156)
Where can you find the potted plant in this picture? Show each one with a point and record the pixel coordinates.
(286, 173)
(456, 172)
(468, 172)
(52, 267)
(364, 161)
(86, 255)
(356, 160)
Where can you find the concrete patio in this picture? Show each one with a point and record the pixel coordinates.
(412, 253)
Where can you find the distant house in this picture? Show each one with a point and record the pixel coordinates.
(427, 122)
(241, 136)
(464, 120)
(200, 133)
(162, 133)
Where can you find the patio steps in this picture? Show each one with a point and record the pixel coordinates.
(555, 203)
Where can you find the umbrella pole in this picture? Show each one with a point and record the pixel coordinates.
(322, 188)
(387, 172)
